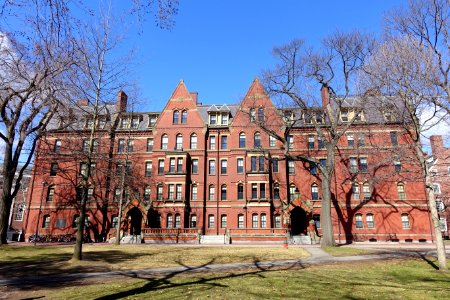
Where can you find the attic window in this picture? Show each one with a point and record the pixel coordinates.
(388, 117)
(151, 120)
(344, 116)
(89, 123)
(225, 119)
(135, 122)
(124, 123)
(212, 119)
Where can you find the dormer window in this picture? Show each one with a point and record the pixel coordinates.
(89, 123)
(124, 122)
(225, 119)
(344, 116)
(135, 122)
(151, 120)
(102, 123)
(319, 117)
(212, 119)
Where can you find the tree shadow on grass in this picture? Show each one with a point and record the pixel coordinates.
(210, 280)
(59, 263)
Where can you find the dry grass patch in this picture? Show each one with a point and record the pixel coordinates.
(96, 258)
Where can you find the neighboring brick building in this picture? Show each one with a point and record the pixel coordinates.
(197, 169)
(440, 172)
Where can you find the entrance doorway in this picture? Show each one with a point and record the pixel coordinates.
(299, 221)
(136, 221)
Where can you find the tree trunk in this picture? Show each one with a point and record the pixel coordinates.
(6, 201)
(78, 249)
(325, 218)
(440, 247)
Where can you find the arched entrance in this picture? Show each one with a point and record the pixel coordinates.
(136, 221)
(299, 221)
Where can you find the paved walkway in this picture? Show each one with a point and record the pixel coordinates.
(318, 256)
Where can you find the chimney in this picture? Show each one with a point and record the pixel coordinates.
(194, 96)
(437, 144)
(83, 102)
(121, 104)
(325, 95)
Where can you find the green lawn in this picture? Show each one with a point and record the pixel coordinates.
(348, 251)
(97, 258)
(408, 279)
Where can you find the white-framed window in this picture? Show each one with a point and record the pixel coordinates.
(370, 221)
(223, 221)
(212, 192)
(401, 191)
(240, 165)
(179, 142)
(193, 221)
(277, 221)
(358, 221)
(164, 142)
(366, 191)
(149, 144)
(212, 142)
(211, 221)
(405, 221)
(350, 139)
(177, 221)
(355, 191)
(272, 141)
(193, 141)
(314, 192)
(169, 221)
(255, 221)
(240, 221)
(263, 221)
(194, 192)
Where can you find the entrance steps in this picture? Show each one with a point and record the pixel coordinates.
(131, 239)
(214, 239)
(301, 240)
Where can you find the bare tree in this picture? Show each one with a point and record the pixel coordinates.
(331, 70)
(32, 86)
(399, 71)
(426, 26)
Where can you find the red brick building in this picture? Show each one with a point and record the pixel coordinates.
(440, 172)
(196, 169)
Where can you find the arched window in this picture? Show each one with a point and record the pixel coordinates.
(405, 221)
(193, 141)
(401, 191)
(293, 192)
(212, 192)
(57, 146)
(263, 221)
(257, 140)
(242, 140)
(370, 221)
(177, 221)
(240, 191)
(183, 117)
(255, 221)
(355, 190)
(366, 191)
(240, 221)
(179, 142)
(358, 221)
(260, 114)
(314, 192)
(164, 141)
(223, 221)
(223, 192)
(169, 221)
(194, 192)
(175, 117)
(193, 221)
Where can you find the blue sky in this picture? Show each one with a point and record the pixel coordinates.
(218, 47)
